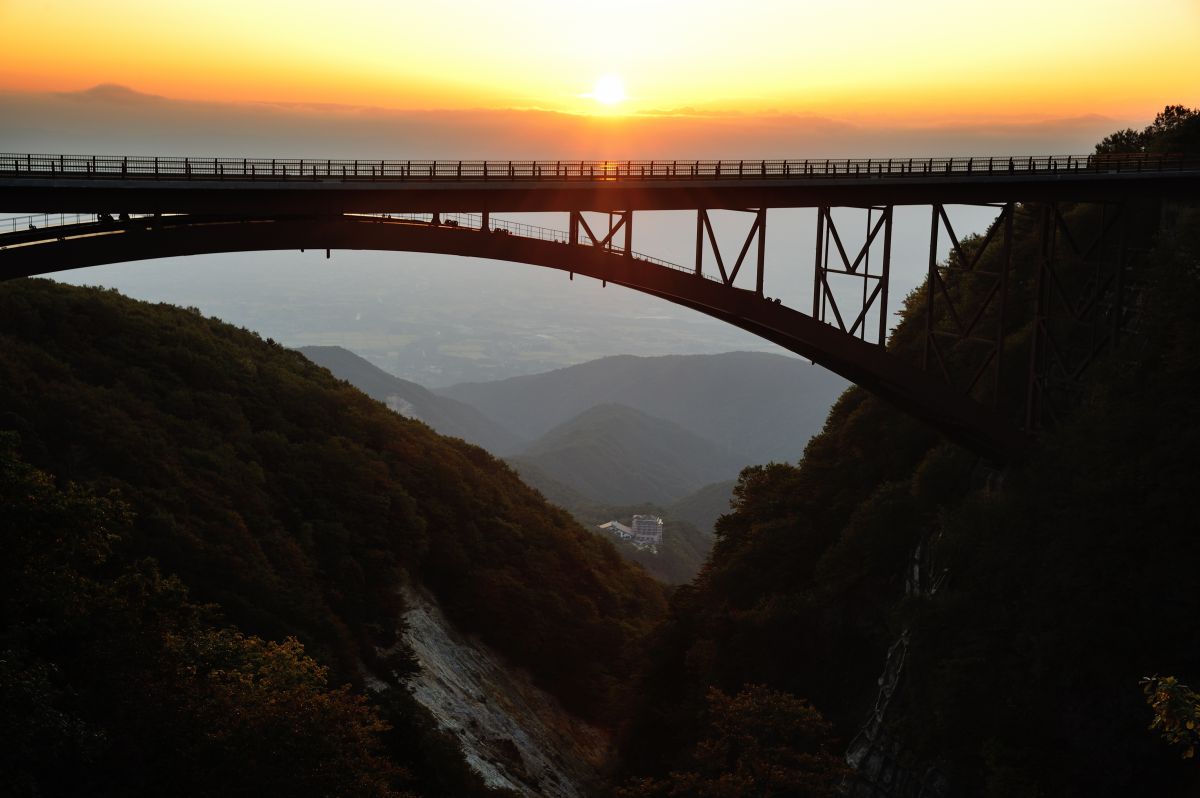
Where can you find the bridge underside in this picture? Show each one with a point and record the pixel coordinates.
(66, 193)
(912, 390)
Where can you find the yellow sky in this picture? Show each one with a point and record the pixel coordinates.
(926, 60)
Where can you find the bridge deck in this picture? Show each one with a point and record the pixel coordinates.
(79, 183)
(140, 208)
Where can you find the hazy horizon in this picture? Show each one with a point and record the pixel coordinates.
(864, 61)
(906, 83)
(438, 320)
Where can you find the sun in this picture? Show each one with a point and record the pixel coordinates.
(608, 90)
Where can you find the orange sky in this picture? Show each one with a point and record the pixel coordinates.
(922, 61)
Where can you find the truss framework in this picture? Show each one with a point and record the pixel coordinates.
(1080, 304)
(966, 302)
(617, 221)
(874, 293)
(757, 232)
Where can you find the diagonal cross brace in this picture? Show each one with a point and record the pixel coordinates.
(824, 298)
(852, 268)
(994, 296)
(758, 230)
(625, 222)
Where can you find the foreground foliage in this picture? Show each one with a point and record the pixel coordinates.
(112, 682)
(1033, 598)
(1176, 712)
(759, 742)
(296, 506)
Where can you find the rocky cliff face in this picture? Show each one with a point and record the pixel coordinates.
(513, 734)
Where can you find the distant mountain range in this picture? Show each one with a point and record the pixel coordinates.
(763, 405)
(445, 415)
(614, 454)
(702, 508)
(588, 437)
(672, 432)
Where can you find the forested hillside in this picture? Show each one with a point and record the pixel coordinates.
(1046, 590)
(705, 506)
(614, 454)
(294, 506)
(445, 415)
(607, 463)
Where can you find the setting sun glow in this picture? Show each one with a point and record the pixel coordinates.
(931, 61)
(609, 90)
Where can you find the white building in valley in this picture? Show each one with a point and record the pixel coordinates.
(647, 530)
(618, 529)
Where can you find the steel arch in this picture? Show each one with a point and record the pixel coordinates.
(913, 391)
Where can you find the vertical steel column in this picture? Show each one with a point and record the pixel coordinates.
(818, 267)
(1119, 308)
(1033, 390)
(931, 283)
(866, 263)
(885, 276)
(701, 213)
(761, 221)
(1010, 211)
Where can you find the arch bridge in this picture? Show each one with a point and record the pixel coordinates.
(102, 209)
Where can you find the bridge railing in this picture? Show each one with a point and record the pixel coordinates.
(284, 169)
(39, 221)
(474, 221)
(465, 221)
(13, 224)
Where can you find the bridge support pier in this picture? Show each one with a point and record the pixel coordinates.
(1080, 305)
(874, 287)
(966, 305)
